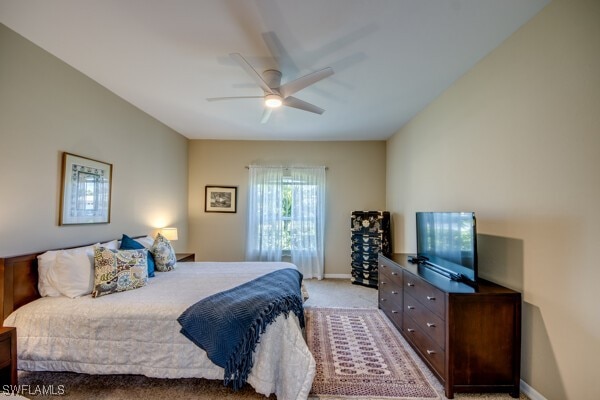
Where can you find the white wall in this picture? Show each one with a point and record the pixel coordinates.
(47, 107)
(355, 181)
(517, 140)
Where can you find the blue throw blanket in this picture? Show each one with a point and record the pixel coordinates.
(227, 325)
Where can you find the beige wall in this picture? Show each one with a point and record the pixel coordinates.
(47, 107)
(355, 181)
(517, 140)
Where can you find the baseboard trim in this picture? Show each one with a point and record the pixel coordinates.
(530, 392)
(338, 276)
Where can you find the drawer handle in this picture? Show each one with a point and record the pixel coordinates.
(430, 298)
(383, 299)
(394, 312)
(410, 330)
(410, 284)
(394, 273)
(430, 352)
(410, 307)
(394, 292)
(431, 325)
(383, 282)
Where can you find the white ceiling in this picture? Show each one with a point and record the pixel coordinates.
(391, 57)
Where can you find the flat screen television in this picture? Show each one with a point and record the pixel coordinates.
(447, 243)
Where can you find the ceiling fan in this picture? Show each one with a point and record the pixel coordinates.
(275, 94)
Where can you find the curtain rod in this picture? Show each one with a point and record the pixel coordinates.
(287, 166)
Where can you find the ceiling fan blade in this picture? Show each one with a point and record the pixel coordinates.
(298, 84)
(234, 98)
(266, 115)
(251, 71)
(302, 105)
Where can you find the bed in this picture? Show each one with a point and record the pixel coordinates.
(136, 331)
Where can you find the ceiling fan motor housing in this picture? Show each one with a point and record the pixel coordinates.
(273, 78)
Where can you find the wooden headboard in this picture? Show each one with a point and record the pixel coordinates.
(19, 280)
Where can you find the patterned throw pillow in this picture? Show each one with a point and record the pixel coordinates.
(119, 270)
(164, 255)
(128, 243)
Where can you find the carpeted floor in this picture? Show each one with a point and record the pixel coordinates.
(325, 293)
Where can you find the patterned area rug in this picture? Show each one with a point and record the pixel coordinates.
(360, 355)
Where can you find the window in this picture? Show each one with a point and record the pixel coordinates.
(285, 216)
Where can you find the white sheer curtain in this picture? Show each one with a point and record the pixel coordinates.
(265, 238)
(308, 215)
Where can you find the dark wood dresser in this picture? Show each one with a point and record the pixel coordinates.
(8, 356)
(470, 339)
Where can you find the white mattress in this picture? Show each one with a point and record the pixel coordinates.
(136, 332)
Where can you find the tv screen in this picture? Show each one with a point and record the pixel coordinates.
(447, 241)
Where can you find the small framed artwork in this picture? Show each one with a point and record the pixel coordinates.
(85, 191)
(221, 199)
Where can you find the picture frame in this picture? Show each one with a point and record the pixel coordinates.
(85, 194)
(220, 199)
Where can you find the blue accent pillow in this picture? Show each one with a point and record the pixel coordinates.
(128, 243)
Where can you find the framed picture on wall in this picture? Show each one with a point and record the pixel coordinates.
(221, 199)
(85, 191)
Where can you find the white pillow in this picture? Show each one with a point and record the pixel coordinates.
(113, 244)
(146, 241)
(73, 272)
(45, 262)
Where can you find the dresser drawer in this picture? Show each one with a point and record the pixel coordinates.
(390, 294)
(430, 351)
(393, 272)
(369, 243)
(362, 275)
(8, 356)
(389, 291)
(387, 281)
(392, 309)
(366, 266)
(362, 257)
(430, 296)
(5, 351)
(428, 322)
(367, 221)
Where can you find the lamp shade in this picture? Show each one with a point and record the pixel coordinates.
(169, 233)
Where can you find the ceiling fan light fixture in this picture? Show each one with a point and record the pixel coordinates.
(273, 100)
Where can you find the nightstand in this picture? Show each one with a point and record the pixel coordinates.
(8, 356)
(185, 257)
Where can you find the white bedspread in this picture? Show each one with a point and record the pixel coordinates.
(136, 332)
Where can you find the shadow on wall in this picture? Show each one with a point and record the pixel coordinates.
(501, 260)
(539, 346)
(397, 221)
